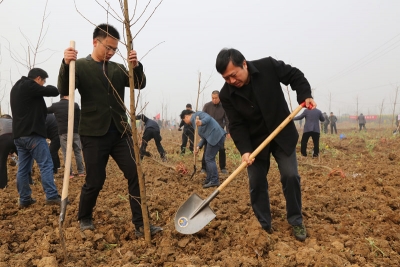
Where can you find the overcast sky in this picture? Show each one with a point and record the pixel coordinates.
(348, 50)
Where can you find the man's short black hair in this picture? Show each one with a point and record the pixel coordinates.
(188, 105)
(225, 56)
(104, 30)
(186, 112)
(215, 92)
(37, 72)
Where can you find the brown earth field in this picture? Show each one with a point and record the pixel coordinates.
(351, 200)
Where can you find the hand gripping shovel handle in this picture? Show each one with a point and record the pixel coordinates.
(67, 167)
(252, 156)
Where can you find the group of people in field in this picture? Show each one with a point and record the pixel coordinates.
(248, 108)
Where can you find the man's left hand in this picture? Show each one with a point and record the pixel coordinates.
(312, 102)
(133, 58)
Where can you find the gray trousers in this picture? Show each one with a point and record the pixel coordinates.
(77, 148)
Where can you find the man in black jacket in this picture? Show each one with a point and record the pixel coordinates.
(60, 110)
(187, 134)
(29, 130)
(52, 135)
(255, 104)
(151, 131)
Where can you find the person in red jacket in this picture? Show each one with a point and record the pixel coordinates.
(253, 99)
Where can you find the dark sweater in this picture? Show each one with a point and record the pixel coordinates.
(60, 110)
(28, 107)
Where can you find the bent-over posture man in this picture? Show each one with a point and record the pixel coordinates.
(210, 132)
(216, 111)
(104, 127)
(187, 134)
(29, 130)
(255, 104)
(151, 131)
(311, 129)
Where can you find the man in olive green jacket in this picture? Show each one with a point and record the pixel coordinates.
(104, 127)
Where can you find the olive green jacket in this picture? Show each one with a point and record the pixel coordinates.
(100, 102)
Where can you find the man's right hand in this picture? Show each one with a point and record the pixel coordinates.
(70, 54)
(245, 158)
(179, 129)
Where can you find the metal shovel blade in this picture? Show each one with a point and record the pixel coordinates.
(184, 224)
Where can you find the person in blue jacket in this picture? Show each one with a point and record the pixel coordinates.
(211, 133)
(311, 129)
(151, 131)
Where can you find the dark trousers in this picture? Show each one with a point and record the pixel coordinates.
(222, 157)
(304, 141)
(149, 134)
(290, 181)
(333, 126)
(7, 146)
(325, 127)
(96, 151)
(187, 135)
(54, 147)
(362, 125)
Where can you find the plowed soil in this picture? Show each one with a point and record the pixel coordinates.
(351, 199)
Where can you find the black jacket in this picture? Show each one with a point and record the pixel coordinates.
(149, 124)
(28, 107)
(60, 110)
(51, 126)
(266, 75)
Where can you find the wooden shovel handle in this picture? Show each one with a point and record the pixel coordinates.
(261, 146)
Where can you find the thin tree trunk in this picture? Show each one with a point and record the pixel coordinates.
(143, 198)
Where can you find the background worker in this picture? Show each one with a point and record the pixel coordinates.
(311, 129)
(325, 123)
(52, 135)
(333, 120)
(7, 147)
(187, 133)
(216, 111)
(361, 122)
(60, 110)
(210, 132)
(151, 131)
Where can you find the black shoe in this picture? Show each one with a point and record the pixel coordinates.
(153, 230)
(54, 201)
(205, 182)
(86, 224)
(269, 230)
(315, 155)
(224, 171)
(210, 184)
(27, 204)
(300, 232)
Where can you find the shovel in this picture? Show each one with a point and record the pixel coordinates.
(195, 213)
(70, 133)
(194, 144)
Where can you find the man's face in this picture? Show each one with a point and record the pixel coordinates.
(236, 76)
(104, 49)
(40, 81)
(186, 119)
(215, 99)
